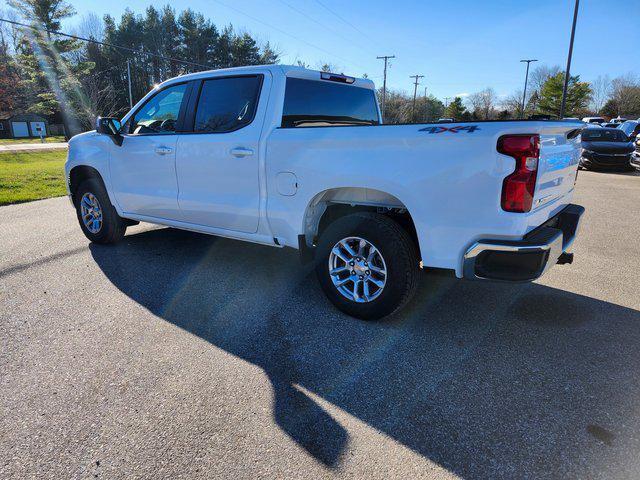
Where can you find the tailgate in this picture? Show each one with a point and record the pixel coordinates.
(557, 168)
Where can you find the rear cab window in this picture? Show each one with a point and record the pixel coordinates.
(227, 104)
(320, 103)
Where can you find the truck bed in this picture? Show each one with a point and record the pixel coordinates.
(426, 167)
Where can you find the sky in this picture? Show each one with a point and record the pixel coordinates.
(460, 46)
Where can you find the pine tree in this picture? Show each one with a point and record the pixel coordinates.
(48, 73)
(455, 109)
(578, 95)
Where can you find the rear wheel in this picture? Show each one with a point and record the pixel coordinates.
(367, 265)
(98, 218)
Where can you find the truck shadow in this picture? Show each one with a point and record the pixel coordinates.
(487, 380)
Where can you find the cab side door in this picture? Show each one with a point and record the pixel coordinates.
(218, 158)
(143, 169)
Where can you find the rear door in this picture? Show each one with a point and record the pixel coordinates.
(217, 163)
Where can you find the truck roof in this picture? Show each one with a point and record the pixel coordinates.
(283, 70)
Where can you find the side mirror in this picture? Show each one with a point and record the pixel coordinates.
(110, 126)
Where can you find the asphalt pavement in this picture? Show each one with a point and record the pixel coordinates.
(177, 355)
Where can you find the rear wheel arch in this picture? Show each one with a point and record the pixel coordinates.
(331, 204)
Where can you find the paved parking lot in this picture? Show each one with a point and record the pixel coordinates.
(178, 355)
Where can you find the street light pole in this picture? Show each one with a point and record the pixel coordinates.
(567, 73)
(526, 78)
(384, 81)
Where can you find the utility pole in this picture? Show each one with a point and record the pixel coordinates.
(129, 80)
(526, 78)
(384, 81)
(567, 73)
(415, 91)
(446, 101)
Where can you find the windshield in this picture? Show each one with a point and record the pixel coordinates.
(603, 135)
(628, 127)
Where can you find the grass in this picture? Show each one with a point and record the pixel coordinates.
(27, 176)
(21, 141)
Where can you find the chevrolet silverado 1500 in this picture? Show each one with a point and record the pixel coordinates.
(289, 157)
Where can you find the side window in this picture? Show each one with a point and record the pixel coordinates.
(227, 104)
(160, 114)
(317, 103)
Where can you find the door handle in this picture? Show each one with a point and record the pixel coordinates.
(241, 152)
(163, 150)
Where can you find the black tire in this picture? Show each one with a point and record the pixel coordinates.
(397, 249)
(113, 226)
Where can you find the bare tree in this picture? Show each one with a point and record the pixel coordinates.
(474, 103)
(625, 92)
(513, 103)
(10, 33)
(601, 91)
(483, 103)
(90, 26)
(98, 98)
(540, 75)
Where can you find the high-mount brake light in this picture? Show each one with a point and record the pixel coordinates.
(519, 187)
(334, 77)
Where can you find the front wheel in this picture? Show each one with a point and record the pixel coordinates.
(97, 216)
(367, 265)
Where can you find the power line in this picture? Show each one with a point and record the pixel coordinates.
(341, 18)
(105, 44)
(336, 32)
(286, 33)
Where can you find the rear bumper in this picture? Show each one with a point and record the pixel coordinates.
(527, 259)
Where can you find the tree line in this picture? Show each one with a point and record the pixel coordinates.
(71, 81)
(611, 98)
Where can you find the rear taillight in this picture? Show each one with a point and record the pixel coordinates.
(518, 188)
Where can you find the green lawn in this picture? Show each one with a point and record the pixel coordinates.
(19, 141)
(26, 176)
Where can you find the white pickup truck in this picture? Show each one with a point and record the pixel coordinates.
(289, 157)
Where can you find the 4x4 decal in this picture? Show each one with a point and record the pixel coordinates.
(459, 128)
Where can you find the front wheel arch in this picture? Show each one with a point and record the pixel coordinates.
(79, 174)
